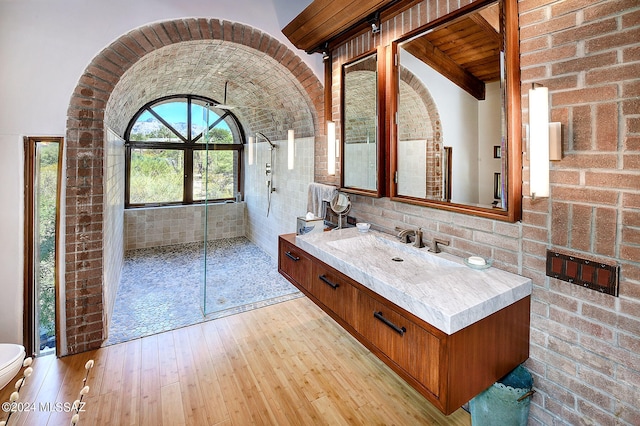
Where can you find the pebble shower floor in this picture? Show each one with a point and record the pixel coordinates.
(161, 288)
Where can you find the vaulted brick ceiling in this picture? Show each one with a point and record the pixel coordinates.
(266, 96)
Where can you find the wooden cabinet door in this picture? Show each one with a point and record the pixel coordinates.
(294, 263)
(334, 290)
(410, 346)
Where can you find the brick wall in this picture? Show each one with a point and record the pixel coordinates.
(584, 345)
(419, 120)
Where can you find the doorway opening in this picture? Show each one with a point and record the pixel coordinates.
(43, 167)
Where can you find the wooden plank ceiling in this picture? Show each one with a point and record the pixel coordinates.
(325, 19)
(467, 50)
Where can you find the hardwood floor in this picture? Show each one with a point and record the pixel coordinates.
(285, 364)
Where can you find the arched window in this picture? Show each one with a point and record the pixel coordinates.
(182, 150)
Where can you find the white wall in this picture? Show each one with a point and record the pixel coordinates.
(489, 135)
(11, 230)
(458, 113)
(289, 9)
(45, 47)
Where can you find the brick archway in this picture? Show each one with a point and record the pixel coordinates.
(419, 107)
(85, 201)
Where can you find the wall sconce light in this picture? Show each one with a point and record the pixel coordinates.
(331, 148)
(290, 149)
(545, 141)
(555, 141)
(251, 148)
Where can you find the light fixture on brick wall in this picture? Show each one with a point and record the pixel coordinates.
(544, 141)
(331, 148)
(291, 146)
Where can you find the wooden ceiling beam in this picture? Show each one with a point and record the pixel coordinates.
(487, 28)
(436, 59)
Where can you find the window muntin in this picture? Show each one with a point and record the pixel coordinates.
(217, 123)
(167, 141)
(175, 114)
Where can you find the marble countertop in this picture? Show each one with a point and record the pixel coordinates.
(437, 288)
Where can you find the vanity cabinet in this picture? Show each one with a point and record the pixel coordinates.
(448, 369)
(294, 264)
(401, 340)
(334, 290)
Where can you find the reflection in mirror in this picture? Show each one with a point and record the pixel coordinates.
(360, 124)
(450, 112)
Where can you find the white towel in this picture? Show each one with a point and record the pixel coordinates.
(319, 192)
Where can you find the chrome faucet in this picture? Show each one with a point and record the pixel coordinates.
(405, 236)
(433, 247)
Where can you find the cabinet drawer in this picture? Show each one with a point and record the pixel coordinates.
(334, 290)
(410, 346)
(294, 264)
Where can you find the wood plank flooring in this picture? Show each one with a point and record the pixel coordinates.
(285, 364)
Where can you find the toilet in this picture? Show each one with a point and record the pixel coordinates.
(11, 358)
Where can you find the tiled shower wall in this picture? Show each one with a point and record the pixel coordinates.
(585, 346)
(162, 226)
(290, 199)
(113, 253)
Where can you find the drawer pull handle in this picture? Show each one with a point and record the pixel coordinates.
(329, 283)
(399, 330)
(292, 257)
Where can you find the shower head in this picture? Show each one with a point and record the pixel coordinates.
(224, 104)
(267, 139)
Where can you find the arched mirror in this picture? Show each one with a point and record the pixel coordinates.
(362, 150)
(456, 143)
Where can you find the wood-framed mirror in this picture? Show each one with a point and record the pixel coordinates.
(456, 109)
(363, 147)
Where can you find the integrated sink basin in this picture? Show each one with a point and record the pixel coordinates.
(402, 261)
(438, 288)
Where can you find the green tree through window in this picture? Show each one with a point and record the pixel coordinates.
(181, 150)
(47, 205)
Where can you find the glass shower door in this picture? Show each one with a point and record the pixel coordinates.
(217, 167)
(236, 273)
(201, 191)
(214, 168)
